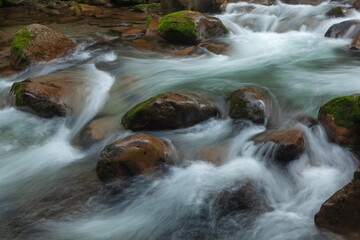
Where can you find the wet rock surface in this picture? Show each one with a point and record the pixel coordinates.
(170, 110)
(249, 103)
(346, 29)
(290, 143)
(340, 213)
(131, 156)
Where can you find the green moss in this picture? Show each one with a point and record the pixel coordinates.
(177, 24)
(21, 40)
(17, 88)
(130, 115)
(345, 111)
(148, 20)
(143, 7)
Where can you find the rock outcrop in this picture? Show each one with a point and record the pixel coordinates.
(169, 110)
(341, 119)
(249, 103)
(190, 27)
(134, 155)
(36, 43)
(340, 213)
(290, 143)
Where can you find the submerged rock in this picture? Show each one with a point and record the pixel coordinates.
(132, 33)
(340, 213)
(305, 119)
(170, 110)
(246, 198)
(337, 12)
(134, 155)
(290, 143)
(97, 130)
(215, 154)
(190, 27)
(346, 29)
(249, 103)
(341, 119)
(35, 43)
(51, 95)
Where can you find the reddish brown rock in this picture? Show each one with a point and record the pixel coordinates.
(216, 47)
(356, 4)
(340, 213)
(249, 103)
(51, 95)
(341, 120)
(85, 10)
(305, 119)
(170, 110)
(134, 155)
(35, 43)
(355, 45)
(290, 142)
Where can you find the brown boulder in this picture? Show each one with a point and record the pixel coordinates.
(356, 4)
(341, 120)
(290, 143)
(340, 213)
(215, 154)
(170, 110)
(249, 103)
(190, 27)
(51, 95)
(134, 155)
(97, 130)
(346, 29)
(355, 45)
(35, 43)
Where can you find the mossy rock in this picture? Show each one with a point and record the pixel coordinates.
(151, 7)
(36, 43)
(134, 155)
(190, 27)
(170, 110)
(250, 104)
(341, 119)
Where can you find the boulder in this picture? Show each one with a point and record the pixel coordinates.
(131, 156)
(305, 119)
(337, 12)
(51, 95)
(249, 103)
(346, 29)
(97, 130)
(35, 43)
(340, 213)
(290, 143)
(148, 8)
(341, 119)
(151, 27)
(170, 110)
(190, 27)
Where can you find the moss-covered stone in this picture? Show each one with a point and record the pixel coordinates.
(21, 40)
(148, 20)
(146, 7)
(17, 88)
(177, 26)
(170, 110)
(345, 110)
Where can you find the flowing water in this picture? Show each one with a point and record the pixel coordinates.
(48, 184)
